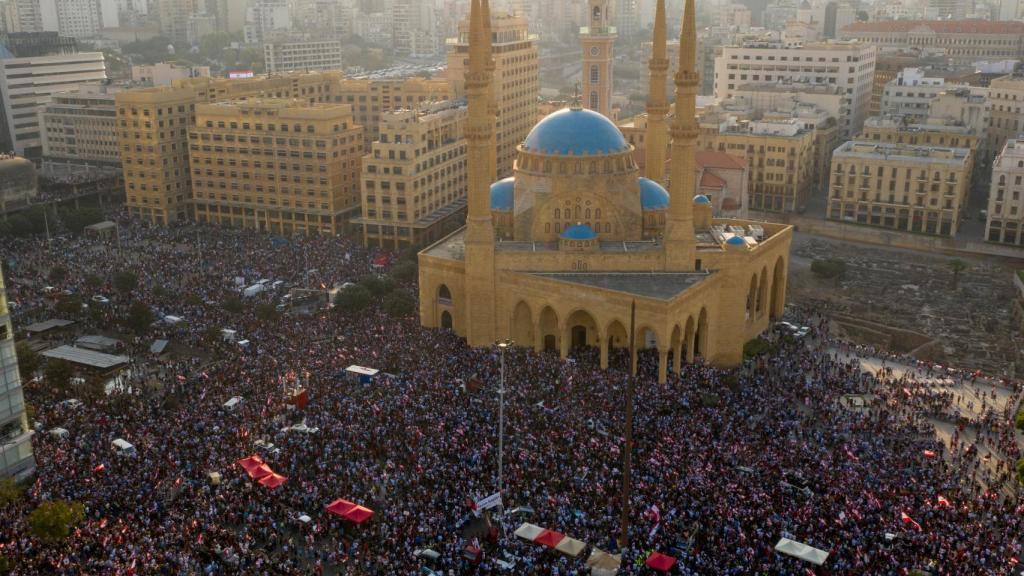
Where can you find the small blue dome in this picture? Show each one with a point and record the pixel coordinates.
(579, 232)
(701, 199)
(652, 195)
(575, 131)
(503, 194)
(736, 241)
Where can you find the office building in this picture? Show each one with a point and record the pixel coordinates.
(16, 457)
(964, 41)
(79, 132)
(371, 99)
(165, 73)
(899, 186)
(265, 19)
(969, 107)
(414, 178)
(1005, 222)
(275, 165)
(1006, 120)
(302, 56)
(174, 18)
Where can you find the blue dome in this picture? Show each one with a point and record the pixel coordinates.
(701, 199)
(736, 241)
(652, 195)
(503, 194)
(579, 232)
(575, 131)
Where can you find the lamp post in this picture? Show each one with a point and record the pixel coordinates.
(502, 346)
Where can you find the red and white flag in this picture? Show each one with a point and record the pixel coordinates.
(941, 501)
(929, 454)
(908, 520)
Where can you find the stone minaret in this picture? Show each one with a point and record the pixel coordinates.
(597, 40)
(492, 101)
(657, 101)
(479, 253)
(680, 243)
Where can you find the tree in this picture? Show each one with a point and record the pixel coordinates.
(139, 317)
(266, 312)
(69, 305)
(956, 266)
(756, 347)
(1019, 419)
(125, 282)
(404, 271)
(829, 268)
(377, 285)
(58, 274)
(6, 564)
(212, 334)
(10, 492)
(352, 299)
(19, 225)
(93, 281)
(28, 359)
(232, 304)
(54, 520)
(399, 303)
(58, 374)
(1020, 470)
(76, 219)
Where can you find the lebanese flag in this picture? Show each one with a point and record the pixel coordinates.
(908, 520)
(941, 501)
(99, 468)
(851, 455)
(929, 454)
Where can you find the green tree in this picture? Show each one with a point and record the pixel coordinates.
(69, 305)
(58, 374)
(140, 317)
(377, 285)
(399, 303)
(352, 299)
(829, 268)
(54, 520)
(265, 311)
(404, 271)
(212, 334)
(956, 266)
(19, 225)
(125, 282)
(57, 274)
(76, 219)
(10, 492)
(28, 359)
(1019, 419)
(232, 304)
(6, 564)
(1020, 470)
(756, 347)
(93, 281)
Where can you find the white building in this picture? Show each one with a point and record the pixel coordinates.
(1005, 223)
(264, 18)
(910, 93)
(768, 96)
(302, 55)
(79, 132)
(848, 65)
(165, 73)
(15, 436)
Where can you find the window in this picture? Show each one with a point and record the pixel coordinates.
(594, 74)
(593, 101)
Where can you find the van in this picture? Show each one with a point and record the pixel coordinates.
(231, 404)
(123, 448)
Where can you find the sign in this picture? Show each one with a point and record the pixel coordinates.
(492, 501)
(235, 74)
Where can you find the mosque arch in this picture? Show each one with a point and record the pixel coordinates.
(700, 340)
(676, 344)
(689, 339)
(548, 329)
(522, 324)
(446, 320)
(762, 290)
(752, 296)
(581, 330)
(444, 295)
(778, 300)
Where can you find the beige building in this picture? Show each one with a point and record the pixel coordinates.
(825, 129)
(588, 246)
(302, 56)
(1006, 198)
(935, 132)
(19, 183)
(780, 154)
(165, 73)
(275, 165)
(516, 81)
(968, 107)
(371, 99)
(414, 177)
(153, 128)
(1006, 120)
(964, 41)
(899, 186)
(79, 132)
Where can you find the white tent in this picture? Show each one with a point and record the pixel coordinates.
(570, 547)
(801, 551)
(602, 563)
(528, 531)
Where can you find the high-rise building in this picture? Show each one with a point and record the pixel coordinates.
(16, 457)
(1006, 121)
(302, 56)
(889, 63)
(947, 9)
(174, 17)
(899, 186)
(300, 175)
(965, 41)
(264, 19)
(849, 65)
(414, 178)
(516, 81)
(1005, 222)
(597, 39)
(79, 132)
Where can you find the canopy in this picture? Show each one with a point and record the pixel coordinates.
(801, 551)
(339, 507)
(260, 471)
(660, 562)
(570, 547)
(549, 538)
(273, 480)
(361, 370)
(250, 463)
(602, 563)
(349, 511)
(359, 514)
(528, 531)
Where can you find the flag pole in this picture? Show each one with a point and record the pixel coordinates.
(627, 453)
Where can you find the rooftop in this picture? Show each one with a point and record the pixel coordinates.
(938, 27)
(907, 152)
(657, 285)
(86, 357)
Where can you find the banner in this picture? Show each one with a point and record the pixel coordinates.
(492, 501)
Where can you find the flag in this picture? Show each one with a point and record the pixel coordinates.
(908, 520)
(851, 455)
(929, 454)
(943, 502)
(98, 468)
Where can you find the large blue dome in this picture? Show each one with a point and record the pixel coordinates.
(579, 232)
(503, 193)
(652, 195)
(575, 131)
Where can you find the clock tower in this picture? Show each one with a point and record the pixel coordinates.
(597, 39)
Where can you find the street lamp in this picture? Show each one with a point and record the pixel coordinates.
(502, 346)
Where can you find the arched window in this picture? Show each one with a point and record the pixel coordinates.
(597, 213)
(607, 228)
(587, 214)
(558, 214)
(444, 294)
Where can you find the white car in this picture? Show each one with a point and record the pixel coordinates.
(100, 299)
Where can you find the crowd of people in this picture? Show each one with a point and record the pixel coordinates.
(725, 463)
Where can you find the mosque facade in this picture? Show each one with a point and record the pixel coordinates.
(558, 256)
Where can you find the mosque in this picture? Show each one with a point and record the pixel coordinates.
(559, 255)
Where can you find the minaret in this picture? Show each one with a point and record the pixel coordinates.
(492, 101)
(597, 40)
(680, 243)
(657, 101)
(479, 239)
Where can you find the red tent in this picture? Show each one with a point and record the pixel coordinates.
(340, 507)
(549, 538)
(272, 480)
(359, 514)
(260, 471)
(299, 399)
(350, 511)
(250, 463)
(660, 562)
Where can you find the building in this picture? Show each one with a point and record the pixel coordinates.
(935, 132)
(899, 186)
(1005, 223)
(174, 18)
(597, 40)
(307, 180)
(153, 132)
(1006, 120)
(825, 129)
(910, 93)
(890, 62)
(165, 73)
(724, 179)
(849, 65)
(16, 457)
(79, 132)
(74, 18)
(593, 245)
(265, 19)
(969, 107)
(414, 178)
(963, 41)
(780, 154)
(947, 9)
(371, 99)
(770, 96)
(18, 183)
(516, 86)
(27, 83)
(302, 56)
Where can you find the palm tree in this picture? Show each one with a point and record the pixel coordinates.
(957, 266)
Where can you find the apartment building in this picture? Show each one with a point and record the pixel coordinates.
(414, 178)
(848, 65)
(165, 73)
(969, 107)
(899, 186)
(16, 457)
(1006, 120)
(79, 132)
(1005, 222)
(302, 56)
(371, 99)
(516, 80)
(779, 153)
(910, 93)
(275, 165)
(963, 41)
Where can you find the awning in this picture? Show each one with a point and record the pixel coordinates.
(250, 463)
(570, 547)
(602, 563)
(158, 346)
(260, 471)
(660, 562)
(273, 480)
(339, 507)
(549, 538)
(528, 531)
(350, 511)
(801, 551)
(359, 514)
